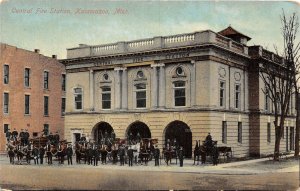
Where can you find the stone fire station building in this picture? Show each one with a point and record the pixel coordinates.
(32, 92)
(181, 86)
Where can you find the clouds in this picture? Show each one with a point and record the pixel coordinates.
(56, 32)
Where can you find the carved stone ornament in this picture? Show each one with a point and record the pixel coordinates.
(237, 76)
(222, 72)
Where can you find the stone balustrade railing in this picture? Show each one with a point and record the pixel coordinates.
(188, 39)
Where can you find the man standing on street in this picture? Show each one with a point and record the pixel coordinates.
(69, 154)
(42, 153)
(156, 155)
(130, 156)
(35, 153)
(180, 156)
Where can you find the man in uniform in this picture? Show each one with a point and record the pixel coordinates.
(122, 155)
(96, 155)
(49, 154)
(215, 155)
(69, 154)
(90, 155)
(11, 155)
(42, 153)
(35, 153)
(208, 141)
(130, 156)
(156, 155)
(180, 156)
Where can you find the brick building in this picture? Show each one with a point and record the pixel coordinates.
(33, 92)
(175, 87)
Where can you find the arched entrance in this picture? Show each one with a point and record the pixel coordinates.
(138, 130)
(181, 132)
(102, 130)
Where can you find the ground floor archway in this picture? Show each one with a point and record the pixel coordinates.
(102, 130)
(138, 130)
(180, 131)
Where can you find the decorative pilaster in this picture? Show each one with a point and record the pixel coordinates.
(193, 84)
(91, 85)
(154, 89)
(117, 88)
(162, 86)
(124, 89)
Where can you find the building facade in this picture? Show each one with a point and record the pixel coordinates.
(178, 87)
(33, 92)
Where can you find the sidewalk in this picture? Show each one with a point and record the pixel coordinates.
(231, 168)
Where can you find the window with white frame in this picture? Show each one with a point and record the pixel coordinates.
(27, 77)
(5, 103)
(179, 93)
(6, 74)
(27, 104)
(106, 97)
(222, 94)
(46, 80)
(240, 132)
(140, 92)
(237, 103)
(78, 98)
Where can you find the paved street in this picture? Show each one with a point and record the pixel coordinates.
(239, 175)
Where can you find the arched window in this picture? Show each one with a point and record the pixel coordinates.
(179, 93)
(78, 98)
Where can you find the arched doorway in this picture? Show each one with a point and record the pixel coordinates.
(102, 130)
(181, 132)
(138, 130)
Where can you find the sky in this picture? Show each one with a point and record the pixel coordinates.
(55, 25)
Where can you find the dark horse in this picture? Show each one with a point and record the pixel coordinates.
(197, 153)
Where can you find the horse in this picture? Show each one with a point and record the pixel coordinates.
(168, 155)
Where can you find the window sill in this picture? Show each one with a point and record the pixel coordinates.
(27, 87)
(27, 115)
(46, 115)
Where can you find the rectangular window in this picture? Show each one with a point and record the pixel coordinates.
(6, 127)
(6, 74)
(141, 96)
(46, 80)
(237, 96)
(63, 82)
(240, 132)
(27, 77)
(106, 98)
(46, 105)
(267, 101)
(63, 106)
(224, 131)
(46, 129)
(269, 132)
(222, 93)
(179, 93)
(5, 103)
(78, 98)
(27, 104)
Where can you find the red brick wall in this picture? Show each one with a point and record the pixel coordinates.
(18, 60)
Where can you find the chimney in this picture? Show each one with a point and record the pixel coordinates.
(37, 51)
(54, 56)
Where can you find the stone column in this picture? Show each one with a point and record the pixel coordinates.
(117, 89)
(162, 86)
(154, 88)
(124, 89)
(193, 84)
(92, 108)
